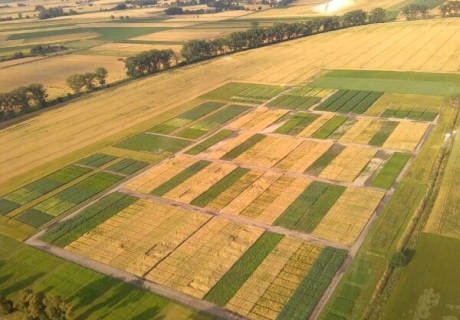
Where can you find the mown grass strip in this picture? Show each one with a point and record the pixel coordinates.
(311, 288)
(325, 159)
(219, 187)
(391, 170)
(232, 281)
(70, 230)
(221, 135)
(238, 150)
(316, 213)
(304, 201)
(182, 176)
(382, 135)
(329, 127)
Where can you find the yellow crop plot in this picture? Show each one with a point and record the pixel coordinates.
(275, 200)
(218, 150)
(234, 190)
(159, 174)
(315, 125)
(251, 193)
(269, 151)
(347, 218)
(348, 164)
(196, 266)
(272, 284)
(139, 237)
(258, 119)
(407, 135)
(303, 156)
(362, 131)
(200, 182)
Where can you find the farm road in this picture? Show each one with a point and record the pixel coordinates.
(166, 292)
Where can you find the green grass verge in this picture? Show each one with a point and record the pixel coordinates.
(219, 187)
(153, 143)
(221, 135)
(391, 81)
(229, 284)
(382, 135)
(182, 176)
(298, 122)
(390, 170)
(325, 159)
(70, 230)
(311, 288)
(429, 283)
(329, 127)
(92, 295)
(238, 150)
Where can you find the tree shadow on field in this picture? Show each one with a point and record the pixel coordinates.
(20, 285)
(87, 294)
(149, 314)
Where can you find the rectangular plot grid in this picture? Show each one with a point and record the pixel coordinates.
(272, 284)
(160, 174)
(269, 151)
(258, 119)
(303, 156)
(315, 126)
(196, 266)
(200, 182)
(347, 218)
(362, 131)
(348, 164)
(407, 135)
(139, 236)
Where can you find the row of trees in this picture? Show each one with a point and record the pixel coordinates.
(37, 306)
(171, 11)
(87, 80)
(415, 11)
(22, 100)
(196, 50)
(450, 9)
(52, 12)
(148, 62)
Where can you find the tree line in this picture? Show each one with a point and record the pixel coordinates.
(22, 100)
(149, 62)
(37, 306)
(197, 50)
(415, 11)
(87, 80)
(450, 9)
(52, 12)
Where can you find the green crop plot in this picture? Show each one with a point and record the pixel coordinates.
(127, 166)
(92, 295)
(329, 127)
(68, 199)
(238, 150)
(350, 101)
(294, 102)
(71, 229)
(410, 112)
(42, 34)
(297, 123)
(96, 160)
(40, 187)
(309, 292)
(325, 159)
(229, 284)
(219, 187)
(221, 135)
(185, 118)
(212, 122)
(179, 178)
(244, 92)
(307, 211)
(382, 135)
(391, 170)
(152, 143)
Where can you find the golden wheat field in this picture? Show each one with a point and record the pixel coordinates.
(56, 133)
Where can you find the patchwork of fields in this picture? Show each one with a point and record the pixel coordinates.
(262, 192)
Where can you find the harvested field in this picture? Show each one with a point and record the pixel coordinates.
(140, 236)
(303, 156)
(258, 119)
(133, 47)
(347, 218)
(362, 131)
(406, 135)
(198, 264)
(348, 164)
